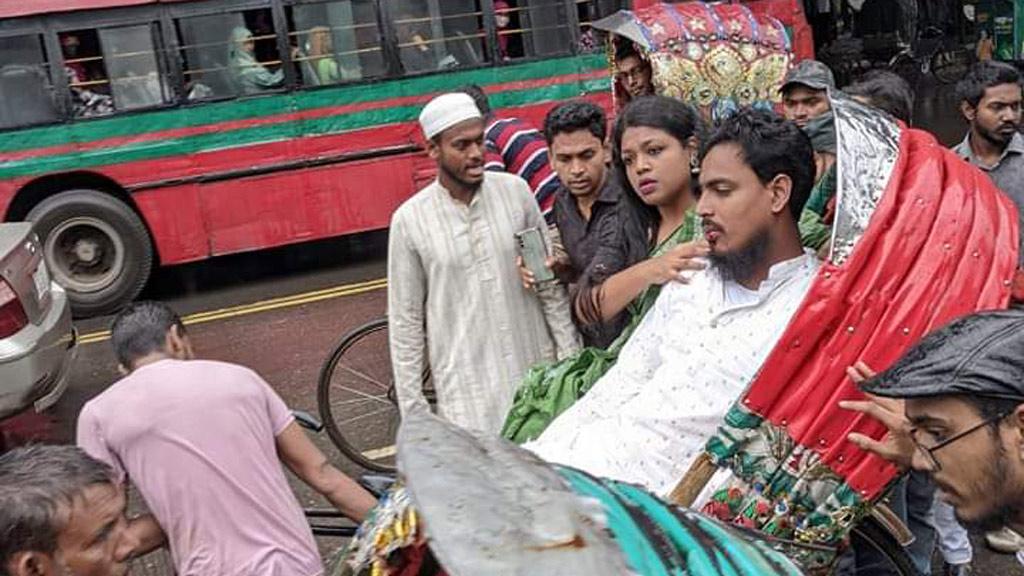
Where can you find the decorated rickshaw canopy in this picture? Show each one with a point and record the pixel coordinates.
(719, 57)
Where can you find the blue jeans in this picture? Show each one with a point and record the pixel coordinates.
(913, 504)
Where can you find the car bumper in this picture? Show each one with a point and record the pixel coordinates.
(36, 362)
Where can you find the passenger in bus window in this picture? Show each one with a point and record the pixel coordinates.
(320, 51)
(86, 101)
(502, 20)
(246, 73)
(414, 45)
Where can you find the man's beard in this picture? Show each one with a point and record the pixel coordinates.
(452, 174)
(995, 138)
(1009, 508)
(740, 264)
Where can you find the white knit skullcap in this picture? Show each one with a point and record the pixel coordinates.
(446, 111)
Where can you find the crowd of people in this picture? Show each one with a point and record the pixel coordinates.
(680, 253)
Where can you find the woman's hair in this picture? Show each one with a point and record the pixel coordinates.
(678, 120)
(319, 42)
(672, 116)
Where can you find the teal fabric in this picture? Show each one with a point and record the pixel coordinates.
(657, 538)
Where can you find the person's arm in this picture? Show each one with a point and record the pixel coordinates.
(553, 298)
(262, 78)
(614, 294)
(90, 438)
(303, 458)
(407, 300)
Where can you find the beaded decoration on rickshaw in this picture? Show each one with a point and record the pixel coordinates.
(718, 57)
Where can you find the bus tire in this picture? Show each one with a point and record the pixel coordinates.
(96, 247)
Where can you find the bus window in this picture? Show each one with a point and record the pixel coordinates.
(135, 80)
(529, 28)
(435, 35)
(230, 54)
(87, 76)
(26, 93)
(588, 11)
(338, 42)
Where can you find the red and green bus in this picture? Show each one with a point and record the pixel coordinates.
(137, 133)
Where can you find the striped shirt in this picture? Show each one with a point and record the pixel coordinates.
(457, 304)
(516, 147)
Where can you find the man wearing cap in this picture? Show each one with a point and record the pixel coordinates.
(805, 91)
(954, 407)
(455, 299)
(805, 102)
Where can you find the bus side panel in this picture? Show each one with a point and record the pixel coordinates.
(175, 219)
(8, 188)
(359, 196)
(256, 212)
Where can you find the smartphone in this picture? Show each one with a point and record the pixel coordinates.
(534, 251)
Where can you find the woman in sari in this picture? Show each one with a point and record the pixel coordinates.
(656, 245)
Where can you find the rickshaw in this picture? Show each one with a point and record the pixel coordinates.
(919, 238)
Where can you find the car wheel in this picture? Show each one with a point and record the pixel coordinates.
(96, 247)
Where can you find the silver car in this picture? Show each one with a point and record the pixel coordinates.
(37, 339)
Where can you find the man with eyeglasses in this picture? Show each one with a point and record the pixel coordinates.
(954, 407)
(632, 72)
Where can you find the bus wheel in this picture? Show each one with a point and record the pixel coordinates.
(96, 247)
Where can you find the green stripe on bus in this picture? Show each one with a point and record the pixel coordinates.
(150, 150)
(133, 124)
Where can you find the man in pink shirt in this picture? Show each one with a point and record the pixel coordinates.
(203, 442)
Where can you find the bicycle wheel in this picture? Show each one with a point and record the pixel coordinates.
(356, 397)
(878, 552)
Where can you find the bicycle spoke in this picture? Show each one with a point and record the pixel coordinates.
(369, 379)
(361, 416)
(363, 397)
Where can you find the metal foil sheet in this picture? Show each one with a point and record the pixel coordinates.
(490, 507)
(867, 145)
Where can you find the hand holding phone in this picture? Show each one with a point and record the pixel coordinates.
(534, 254)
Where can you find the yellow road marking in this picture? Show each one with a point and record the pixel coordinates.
(378, 453)
(263, 306)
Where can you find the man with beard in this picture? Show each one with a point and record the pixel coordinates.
(990, 101)
(704, 339)
(954, 407)
(455, 299)
(63, 512)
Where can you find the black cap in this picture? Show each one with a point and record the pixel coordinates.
(811, 73)
(981, 355)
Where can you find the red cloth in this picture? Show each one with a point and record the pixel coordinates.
(941, 243)
(789, 12)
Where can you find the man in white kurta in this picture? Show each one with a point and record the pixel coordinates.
(703, 341)
(690, 358)
(455, 300)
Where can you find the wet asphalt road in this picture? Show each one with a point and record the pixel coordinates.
(287, 344)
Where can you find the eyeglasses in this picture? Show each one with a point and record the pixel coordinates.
(929, 452)
(637, 72)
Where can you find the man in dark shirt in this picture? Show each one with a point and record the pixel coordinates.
(586, 202)
(990, 101)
